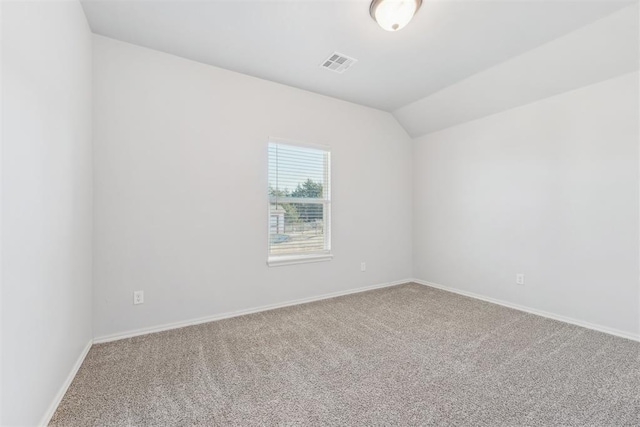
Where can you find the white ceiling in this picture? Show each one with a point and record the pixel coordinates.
(602, 50)
(285, 41)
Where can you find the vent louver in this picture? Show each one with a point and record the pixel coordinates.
(338, 63)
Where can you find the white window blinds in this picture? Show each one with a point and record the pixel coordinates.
(299, 202)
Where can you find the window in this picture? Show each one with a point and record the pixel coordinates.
(299, 203)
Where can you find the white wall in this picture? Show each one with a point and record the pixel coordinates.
(599, 51)
(181, 190)
(550, 190)
(46, 202)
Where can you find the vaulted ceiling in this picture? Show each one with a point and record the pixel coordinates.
(286, 41)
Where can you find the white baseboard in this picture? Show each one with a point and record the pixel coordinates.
(114, 337)
(599, 328)
(182, 324)
(65, 386)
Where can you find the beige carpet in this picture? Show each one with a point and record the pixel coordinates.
(405, 355)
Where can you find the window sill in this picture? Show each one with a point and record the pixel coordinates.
(297, 259)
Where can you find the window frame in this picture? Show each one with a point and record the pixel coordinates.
(326, 254)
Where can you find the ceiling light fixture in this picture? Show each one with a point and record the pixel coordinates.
(393, 15)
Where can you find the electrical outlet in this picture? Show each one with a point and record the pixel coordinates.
(138, 297)
(519, 279)
(363, 266)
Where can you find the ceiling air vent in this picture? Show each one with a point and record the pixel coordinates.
(338, 62)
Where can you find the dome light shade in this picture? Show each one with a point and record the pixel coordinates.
(393, 15)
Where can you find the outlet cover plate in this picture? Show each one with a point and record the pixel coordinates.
(138, 297)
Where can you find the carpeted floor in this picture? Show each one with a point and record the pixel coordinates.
(404, 355)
